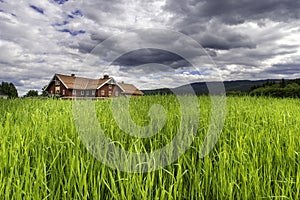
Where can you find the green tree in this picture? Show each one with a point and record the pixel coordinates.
(9, 89)
(13, 92)
(282, 83)
(32, 93)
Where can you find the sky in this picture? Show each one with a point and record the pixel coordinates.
(152, 44)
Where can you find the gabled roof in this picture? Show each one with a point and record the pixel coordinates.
(130, 89)
(108, 80)
(73, 82)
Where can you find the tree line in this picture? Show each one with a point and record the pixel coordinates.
(283, 88)
(11, 91)
(8, 89)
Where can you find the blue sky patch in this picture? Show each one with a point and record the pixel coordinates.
(195, 73)
(77, 13)
(73, 33)
(59, 1)
(40, 10)
(61, 24)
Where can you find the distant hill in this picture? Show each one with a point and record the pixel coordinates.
(284, 88)
(200, 88)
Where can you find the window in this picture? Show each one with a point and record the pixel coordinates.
(102, 92)
(109, 93)
(109, 86)
(57, 89)
(87, 92)
(116, 93)
(82, 92)
(93, 92)
(74, 92)
(64, 92)
(57, 82)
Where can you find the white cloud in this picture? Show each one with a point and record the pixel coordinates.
(35, 45)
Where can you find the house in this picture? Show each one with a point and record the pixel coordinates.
(3, 96)
(66, 86)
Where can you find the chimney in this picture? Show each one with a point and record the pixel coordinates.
(72, 75)
(106, 76)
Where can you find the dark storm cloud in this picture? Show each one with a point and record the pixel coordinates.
(246, 39)
(145, 56)
(226, 41)
(235, 12)
(284, 69)
(262, 55)
(216, 35)
(143, 46)
(207, 22)
(213, 22)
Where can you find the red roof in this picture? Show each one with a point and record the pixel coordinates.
(130, 89)
(75, 82)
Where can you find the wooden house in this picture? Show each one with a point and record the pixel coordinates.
(65, 86)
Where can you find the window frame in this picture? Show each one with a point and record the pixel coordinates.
(57, 89)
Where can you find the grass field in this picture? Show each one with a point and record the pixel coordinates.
(256, 156)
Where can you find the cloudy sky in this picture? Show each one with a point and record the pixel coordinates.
(150, 43)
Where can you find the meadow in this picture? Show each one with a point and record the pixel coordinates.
(256, 156)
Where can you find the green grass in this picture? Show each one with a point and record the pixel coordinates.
(256, 156)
